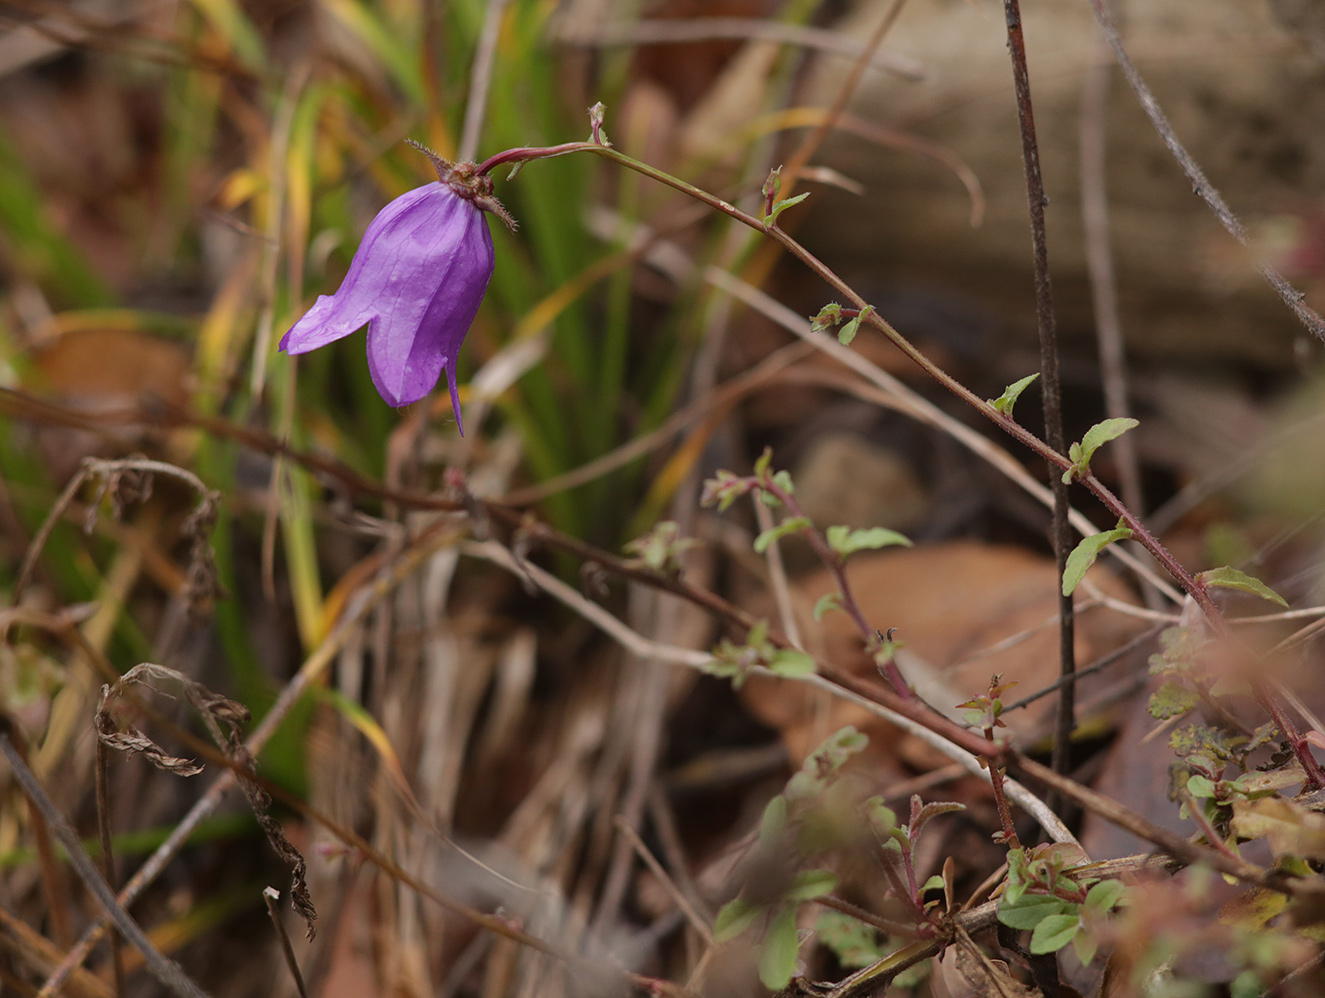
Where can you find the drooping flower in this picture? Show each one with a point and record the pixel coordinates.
(416, 281)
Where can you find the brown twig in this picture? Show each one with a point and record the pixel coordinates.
(887, 926)
(53, 883)
(163, 969)
(811, 143)
(669, 885)
(1000, 799)
(1171, 842)
(108, 857)
(270, 896)
(1050, 389)
(836, 564)
(1100, 270)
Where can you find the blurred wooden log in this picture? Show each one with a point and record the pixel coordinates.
(1238, 82)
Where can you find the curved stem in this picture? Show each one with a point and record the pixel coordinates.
(1194, 587)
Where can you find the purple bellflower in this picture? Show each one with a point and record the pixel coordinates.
(416, 281)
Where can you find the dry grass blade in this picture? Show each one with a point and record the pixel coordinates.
(130, 480)
(927, 412)
(646, 648)
(223, 718)
(39, 952)
(270, 896)
(360, 607)
(164, 970)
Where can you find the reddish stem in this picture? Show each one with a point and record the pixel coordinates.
(837, 565)
(1000, 798)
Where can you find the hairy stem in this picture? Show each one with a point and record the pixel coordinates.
(837, 565)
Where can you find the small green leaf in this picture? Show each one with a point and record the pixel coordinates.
(829, 316)
(1085, 553)
(811, 884)
(1054, 933)
(1100, 434)
(842, 744)
(826, 602)
(789, 526)
(1200, 786)
(762, 464)
(934, 883)
(929, 812)
(1026, 911)
(1171, 700)
(1013, 894)
(882, 817)
(1011, 393)
(773, 822)
(855, 944)
(780, 206)
(791, 663)
(1247, 984)
(1104, 896)
(777, 961)
(848, 332)
(1086, 948)
(733, 918)
(1231, 578)
(803, 785)
(846, 541)
(1073, 455)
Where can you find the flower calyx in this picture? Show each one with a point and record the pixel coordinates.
(467, 183)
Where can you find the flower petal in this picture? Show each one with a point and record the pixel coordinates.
(360, 295)
(430, 303)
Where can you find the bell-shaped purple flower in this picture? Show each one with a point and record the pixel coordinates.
(416, 281)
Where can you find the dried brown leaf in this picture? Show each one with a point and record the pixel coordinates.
(1288, 828)
(223, 718)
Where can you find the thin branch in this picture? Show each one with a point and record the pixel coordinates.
(270, 895)
(1050, 390)
(1200, 185)
(810, 144)
(777, 576)
(669, 885)
(108, 856)
(163, 969)
(1102, 663)
(906, 716)
(1103, 280)
(53, 883)
(322, 656)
